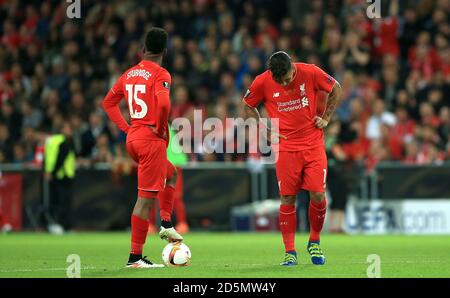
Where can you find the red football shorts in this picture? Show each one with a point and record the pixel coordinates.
(153, 167)
(297, 170)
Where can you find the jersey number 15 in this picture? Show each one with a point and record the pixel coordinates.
(133, 92)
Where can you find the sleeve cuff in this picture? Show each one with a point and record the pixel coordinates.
(248, 103)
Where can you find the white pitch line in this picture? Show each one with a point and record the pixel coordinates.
(42, 269)
(232, 266)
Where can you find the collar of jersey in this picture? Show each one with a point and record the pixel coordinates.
(148, 62)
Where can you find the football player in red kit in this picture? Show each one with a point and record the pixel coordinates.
(146, 87)
(289, 92)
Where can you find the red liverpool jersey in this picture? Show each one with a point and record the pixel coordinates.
(295, 105)
(140, 86)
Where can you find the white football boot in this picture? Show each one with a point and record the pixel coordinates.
(170, 234)
(143, 263)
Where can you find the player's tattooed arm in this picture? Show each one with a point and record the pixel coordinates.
(252, 112)
(332, 103)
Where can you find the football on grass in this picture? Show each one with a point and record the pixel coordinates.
(176, 254)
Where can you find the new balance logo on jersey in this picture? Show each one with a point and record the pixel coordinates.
(276, 94)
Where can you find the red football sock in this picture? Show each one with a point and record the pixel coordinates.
(316, 215)
(180, 208)
(288, 225)
(166, 203)
(139, 229)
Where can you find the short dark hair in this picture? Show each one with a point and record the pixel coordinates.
(156, 40)
(279, 64)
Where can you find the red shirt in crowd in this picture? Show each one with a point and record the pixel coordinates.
(385, 37)
(356, 150)
(427, 65)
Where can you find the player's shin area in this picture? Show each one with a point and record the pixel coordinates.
(288, 219)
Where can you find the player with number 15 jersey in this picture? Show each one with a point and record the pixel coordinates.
(146, 88)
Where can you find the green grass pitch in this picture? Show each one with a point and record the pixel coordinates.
(224, 255)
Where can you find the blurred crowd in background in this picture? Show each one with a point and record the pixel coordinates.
(395, 70)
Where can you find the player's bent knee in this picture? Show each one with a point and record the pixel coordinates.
(317, 196)
(143, 206)
(145, 202)
(288, 200)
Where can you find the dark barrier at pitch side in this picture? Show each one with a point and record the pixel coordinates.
(104, 200)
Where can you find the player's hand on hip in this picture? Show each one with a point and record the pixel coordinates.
(320, 122)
